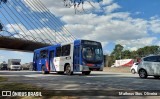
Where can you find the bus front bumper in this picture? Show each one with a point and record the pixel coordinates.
(90, 68)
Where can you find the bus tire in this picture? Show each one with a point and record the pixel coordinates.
(68, 70)
(86, 72)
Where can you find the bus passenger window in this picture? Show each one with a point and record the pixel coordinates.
(52, 54)
(58, 51)
(66, 50)
(44, 53)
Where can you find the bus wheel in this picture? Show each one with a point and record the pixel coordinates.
(68, 70)
(86, 72)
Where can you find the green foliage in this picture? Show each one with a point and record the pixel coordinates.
(109, 61)
(119, 53)
(126, 54)
(18, 86)
(3, 79)
(148, 50)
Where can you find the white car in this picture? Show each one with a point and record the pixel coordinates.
(149, 66)
(134, 68)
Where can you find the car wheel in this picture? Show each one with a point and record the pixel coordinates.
(86, 72)
(133, 71)
(156, 77)
(142, 73)
(68, 70)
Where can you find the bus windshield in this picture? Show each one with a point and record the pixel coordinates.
(92, 53)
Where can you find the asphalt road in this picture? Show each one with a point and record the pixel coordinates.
(95, 81)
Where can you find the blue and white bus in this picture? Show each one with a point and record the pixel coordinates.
(78, 56)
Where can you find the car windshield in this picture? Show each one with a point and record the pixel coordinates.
(92, 53)
(15, 63)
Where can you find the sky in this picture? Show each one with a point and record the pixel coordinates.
(131, 23)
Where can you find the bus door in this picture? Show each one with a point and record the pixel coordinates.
(76, 58)
(36, 62)
(51, 61)
(44, 59)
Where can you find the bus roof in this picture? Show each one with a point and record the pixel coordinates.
(56, 45)
(47, 47)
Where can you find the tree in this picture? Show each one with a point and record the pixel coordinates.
(126, 54)
(148, 50)
(134, 55)
(117, 52)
